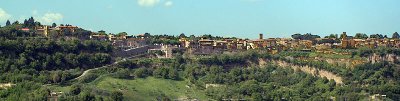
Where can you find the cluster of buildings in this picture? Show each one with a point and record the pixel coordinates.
(350, 42)
(45, 30)
(121, 41)
(274, 45)
(206, 46)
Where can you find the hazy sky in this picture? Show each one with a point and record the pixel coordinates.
(240, 18)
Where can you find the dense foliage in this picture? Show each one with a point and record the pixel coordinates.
(235, 77)
(307, 36)
(30, 61)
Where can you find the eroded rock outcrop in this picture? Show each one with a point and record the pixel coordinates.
(307, 69)
(374, 58)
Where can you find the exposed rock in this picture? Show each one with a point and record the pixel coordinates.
(6, 85)
(307, 69)
(378, 58)
(213, 85)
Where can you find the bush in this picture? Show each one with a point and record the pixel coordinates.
(117, 96)
(122, 74)
(88, 78)
(75, 89)
(140, 73)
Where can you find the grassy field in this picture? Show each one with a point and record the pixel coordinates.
(142, 89)
(149, 88)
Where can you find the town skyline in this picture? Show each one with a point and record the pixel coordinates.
(237, 18)
(199, 50)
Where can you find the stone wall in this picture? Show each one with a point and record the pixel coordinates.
(134, 51)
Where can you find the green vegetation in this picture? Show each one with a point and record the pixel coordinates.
(231, 76)
(150, 88)
(41, 68)
(307, 36)
(31, 61)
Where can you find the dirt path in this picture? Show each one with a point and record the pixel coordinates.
(84, 73)
(87, 71)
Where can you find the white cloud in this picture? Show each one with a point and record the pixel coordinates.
(35, 12)
(148, 3)
(49, 18)
(4, 16)
(168, 3)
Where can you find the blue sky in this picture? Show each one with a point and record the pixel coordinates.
(240, 18)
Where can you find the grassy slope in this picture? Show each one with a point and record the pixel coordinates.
(142, 89)
(149, 88)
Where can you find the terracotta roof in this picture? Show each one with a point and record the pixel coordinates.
(206, 40)
(25, 29)
(67, 27)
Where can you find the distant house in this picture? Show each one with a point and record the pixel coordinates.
(64, 28)
(25, 29)
(98, 37)
(135, 42)
(43, 30)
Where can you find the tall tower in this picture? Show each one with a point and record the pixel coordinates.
(344, 40)
(261, 36)
(46, 31)
(344, 36)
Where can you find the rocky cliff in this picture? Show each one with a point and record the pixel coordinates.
(307, 69)
(379, 58)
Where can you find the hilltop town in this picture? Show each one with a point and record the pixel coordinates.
(66, 62)
(208, 44)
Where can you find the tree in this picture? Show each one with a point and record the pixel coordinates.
(54, 25)
(361, 36)
(332, 36)
(147, 35)
(117, 96)
(140, 73)
(182, 35)
(122, 74)
(87, 96)
(307, 36)
(192, 37)
(378, 36)
(53, 34)
(173, 74)
(56, 77)
(102, 32)
(122, 34)
(15, 23)
(30, 22)
(296, 36)
(344, 35)
(25, 23)
(161, 72)
(8, 23)
(395, 35)
(75, 89)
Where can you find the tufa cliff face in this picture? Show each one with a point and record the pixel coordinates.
(379, 58)
(307, 69)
